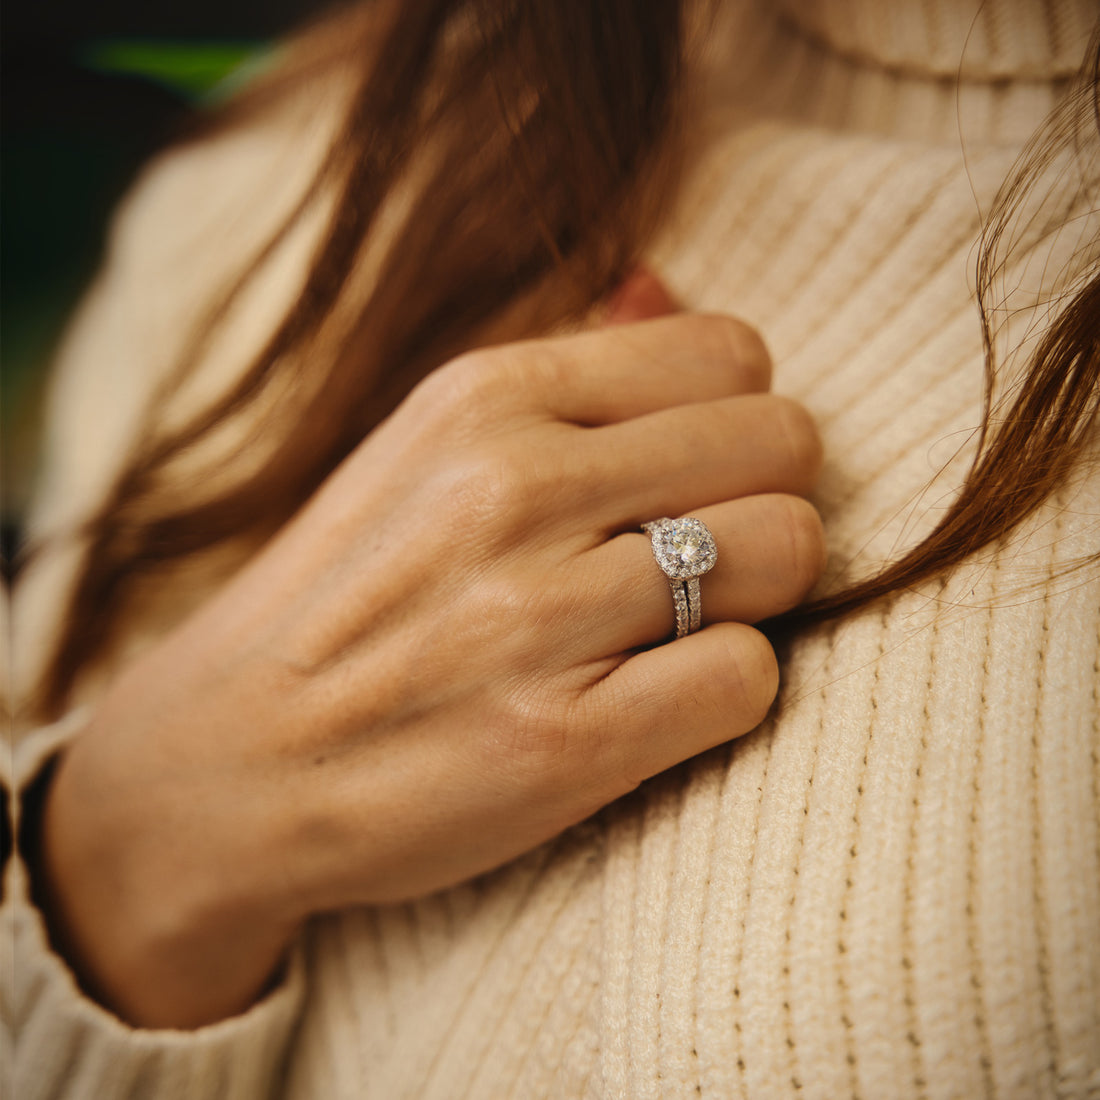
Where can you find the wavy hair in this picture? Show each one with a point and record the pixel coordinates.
(529, 148)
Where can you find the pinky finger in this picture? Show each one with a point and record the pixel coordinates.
(679, 700)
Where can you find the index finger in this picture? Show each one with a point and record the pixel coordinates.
(630, 370)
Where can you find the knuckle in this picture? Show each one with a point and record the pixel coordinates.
(804, 538)
(488, 492)
(534, 744)
(465, 387)
(565, 747)
(538, 745)
(542, 366)
(515, 611)
(741, 346)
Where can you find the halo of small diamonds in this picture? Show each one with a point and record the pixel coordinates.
(684, 548)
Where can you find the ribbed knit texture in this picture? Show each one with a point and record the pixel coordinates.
(889, 890)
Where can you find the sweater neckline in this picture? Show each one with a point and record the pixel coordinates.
(967, 40)
(980, 73)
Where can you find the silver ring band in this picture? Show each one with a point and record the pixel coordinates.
(685, 550)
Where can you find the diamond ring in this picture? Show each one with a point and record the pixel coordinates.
(684, 550)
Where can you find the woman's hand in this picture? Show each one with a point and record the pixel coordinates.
(446, 658)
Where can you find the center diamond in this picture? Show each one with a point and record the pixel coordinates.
(684, 548)
(686, 545)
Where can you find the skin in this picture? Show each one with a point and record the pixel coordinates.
(445, 659)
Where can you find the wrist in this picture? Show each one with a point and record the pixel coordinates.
(162, 928)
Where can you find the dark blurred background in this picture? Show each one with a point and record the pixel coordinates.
(89, 91)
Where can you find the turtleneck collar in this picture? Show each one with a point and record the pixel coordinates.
(975, 72)
(979, 40)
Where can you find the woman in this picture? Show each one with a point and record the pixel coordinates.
(445, 652)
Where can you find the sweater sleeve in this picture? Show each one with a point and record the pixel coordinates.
(60, 1045)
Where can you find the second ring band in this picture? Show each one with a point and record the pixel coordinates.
(685, 550)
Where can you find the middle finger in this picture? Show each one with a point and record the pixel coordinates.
(685, 458)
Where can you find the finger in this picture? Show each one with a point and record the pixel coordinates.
(686, 458)
(625, 371)
(771, 552)
(640, 297)
(670, 703)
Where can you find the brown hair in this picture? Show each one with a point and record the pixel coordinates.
(1036, 427)
(570, 108)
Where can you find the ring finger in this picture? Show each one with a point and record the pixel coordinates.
(771, 552)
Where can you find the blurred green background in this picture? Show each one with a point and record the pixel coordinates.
(89, 92)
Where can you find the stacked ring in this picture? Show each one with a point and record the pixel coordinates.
(685, 550)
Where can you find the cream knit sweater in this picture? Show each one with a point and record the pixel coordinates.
(889, 890)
